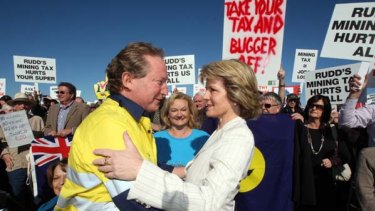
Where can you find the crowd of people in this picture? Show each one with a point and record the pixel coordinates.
(138, 150)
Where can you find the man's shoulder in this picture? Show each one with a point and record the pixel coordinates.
(368, 152)
(80, 105)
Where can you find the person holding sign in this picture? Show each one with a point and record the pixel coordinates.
(212, 177)
(15, 158)
(363, 117)
(64, 118)
(293, 105)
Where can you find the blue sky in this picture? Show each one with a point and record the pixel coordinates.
(83, 36)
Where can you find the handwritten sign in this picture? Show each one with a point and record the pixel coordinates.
(304, 61)
(351, 32)
(34, 69)
(16, 128)
(28, 89)
(253, 33)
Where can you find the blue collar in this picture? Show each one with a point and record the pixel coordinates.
(134, 109)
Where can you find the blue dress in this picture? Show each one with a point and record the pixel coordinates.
(179, 151)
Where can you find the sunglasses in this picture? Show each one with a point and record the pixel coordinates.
(60, 92)
(317, 106)
(267, 105)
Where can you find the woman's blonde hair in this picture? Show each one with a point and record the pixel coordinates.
(240, 83)
(167, 105)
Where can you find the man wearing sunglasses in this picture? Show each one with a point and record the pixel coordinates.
(271, 103)
(292, 105)
(65, 117)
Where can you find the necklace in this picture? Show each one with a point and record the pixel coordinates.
(310, 142)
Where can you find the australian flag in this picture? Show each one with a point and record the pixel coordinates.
(44, 151)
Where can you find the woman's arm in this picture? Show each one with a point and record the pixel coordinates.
(228, 165)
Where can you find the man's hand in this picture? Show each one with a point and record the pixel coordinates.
(356, 87)
(281, 74)
(120, 164)
(9, 161)
(52, 133)
(64, 133)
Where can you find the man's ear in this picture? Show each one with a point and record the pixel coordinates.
(127, 79)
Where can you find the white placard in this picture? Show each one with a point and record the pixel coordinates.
(351, 32)
(34, 69)
(253, 33)
(332, 82)
(16, 128)
(2, 86)
(305, 60)
(181, 89)
(52, 91)
(28, 89)
(180, 69)
(198, 88)
(370, 99)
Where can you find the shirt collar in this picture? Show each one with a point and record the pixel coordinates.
(134, 109)
(67, 106)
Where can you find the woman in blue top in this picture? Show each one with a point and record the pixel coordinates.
(180, 141)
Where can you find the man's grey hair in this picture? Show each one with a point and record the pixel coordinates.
(273, 96)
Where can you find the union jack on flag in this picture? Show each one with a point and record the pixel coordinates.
(43, 152)
(49, 148)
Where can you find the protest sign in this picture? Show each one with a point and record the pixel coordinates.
(2, 87)
(180, 69)
(305, 60)
(16, 128)
(351, 32)
(370, 99)
(198, 88)
(371, 77)
(101, 90)
(253, 33)
(332, 82)
(34, 69)
(52, 91)
(288, 90)
(28, 89)
(181, 89)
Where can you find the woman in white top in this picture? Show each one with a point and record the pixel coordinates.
(212, 177)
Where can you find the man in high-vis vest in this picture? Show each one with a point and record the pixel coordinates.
(137, 84)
